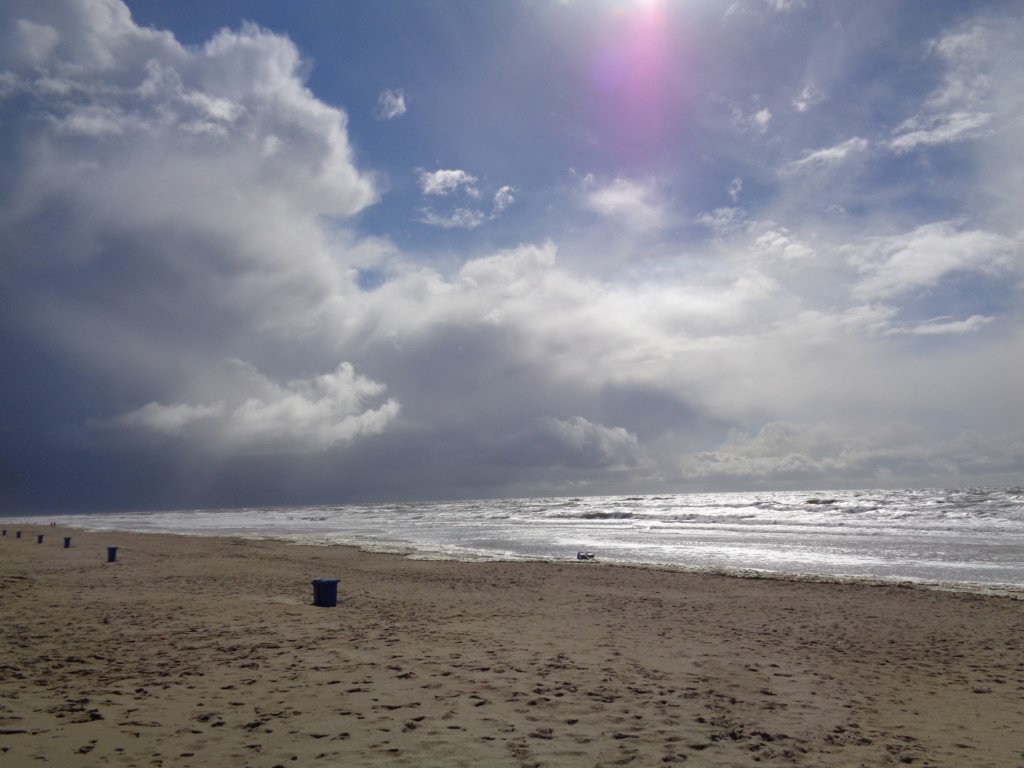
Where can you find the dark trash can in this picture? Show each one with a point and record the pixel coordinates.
(17, 534)
(67, 542)
(39, 538)
(325, 592)
(111, 554)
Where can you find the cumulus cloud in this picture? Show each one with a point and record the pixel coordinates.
(164, 208)
(777, 242)
(156, 131)
(445, 182)
(636, 204)
(503, 198)
(309, 414)
(574, 442)
(300, 415)
(761, 118)
(390, 104)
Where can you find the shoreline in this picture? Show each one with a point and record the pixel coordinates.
(1010, 591)
(196, 650)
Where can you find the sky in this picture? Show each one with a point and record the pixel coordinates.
(264, 253)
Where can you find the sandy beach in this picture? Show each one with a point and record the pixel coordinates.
(195, 651)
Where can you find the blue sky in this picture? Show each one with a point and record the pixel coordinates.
(317, 252)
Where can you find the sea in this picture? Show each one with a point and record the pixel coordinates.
(969, 539)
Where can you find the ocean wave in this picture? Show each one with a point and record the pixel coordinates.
(950, 534)
(595, 515)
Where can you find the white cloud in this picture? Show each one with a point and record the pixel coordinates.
(944, 327)
(93, 121)
(778, 243)
(806, 99)
(460, 218)
(445, 182)
(893, 265)
(633, 203)
(185, 187)
(828, 156)
(761, 118)
(735, 187)
(199, 117)
(967, 53)
(723, 221)
(758, 120)
(503, 198)
(938, 129)
(786, 6)
(390, 105)
(169, 419)
(833, 454)
(977, 94)
(35, 42)
(166, 207)
(574, 442)
(312, 414)
(301, 415)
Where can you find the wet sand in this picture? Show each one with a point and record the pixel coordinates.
(195, 651)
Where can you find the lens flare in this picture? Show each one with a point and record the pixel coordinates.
(631, 68)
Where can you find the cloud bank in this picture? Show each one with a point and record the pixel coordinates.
(199, 315)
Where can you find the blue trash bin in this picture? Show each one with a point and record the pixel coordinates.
(67, 542)
(325, 592)
(39, 538)
(111, 554)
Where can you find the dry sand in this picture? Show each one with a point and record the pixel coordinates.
(207, 652)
